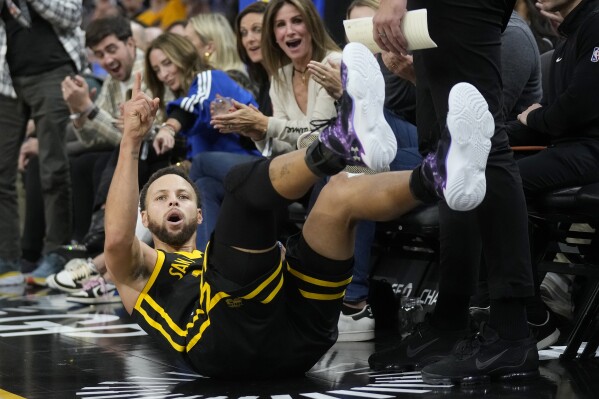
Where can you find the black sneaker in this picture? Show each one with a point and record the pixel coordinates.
(483, 357)
(478, 316)
(424, 345)
(546, 334)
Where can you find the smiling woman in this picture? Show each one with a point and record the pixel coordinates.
(172, 62)
(292, 35)
(248, 29)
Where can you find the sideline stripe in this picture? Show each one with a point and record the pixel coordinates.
(7, 395)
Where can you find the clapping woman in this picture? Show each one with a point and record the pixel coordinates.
(293, 35)
(172, 62)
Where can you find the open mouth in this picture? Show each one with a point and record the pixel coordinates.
(115, 68)
(293, 43)
(174, 217)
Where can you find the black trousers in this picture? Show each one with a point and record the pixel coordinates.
(468, 35)
(86, 170)
(565, 164)
(147, 167)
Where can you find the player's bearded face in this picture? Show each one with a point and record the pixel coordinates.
(172, 238)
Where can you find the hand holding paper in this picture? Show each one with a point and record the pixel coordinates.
(414, 26)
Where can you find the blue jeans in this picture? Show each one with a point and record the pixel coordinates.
(208, 171)
(407, 157)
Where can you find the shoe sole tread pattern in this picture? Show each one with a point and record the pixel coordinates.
(366, 87)
(471, 127)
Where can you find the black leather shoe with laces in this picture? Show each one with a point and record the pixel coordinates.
(483, 357)
(424, 345)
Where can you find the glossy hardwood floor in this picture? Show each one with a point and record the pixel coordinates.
(52, 349)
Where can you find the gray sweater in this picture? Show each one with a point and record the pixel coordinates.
(521, 68)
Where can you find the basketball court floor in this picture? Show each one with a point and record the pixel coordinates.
(50, 348)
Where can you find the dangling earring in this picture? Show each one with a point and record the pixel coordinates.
(207, 56)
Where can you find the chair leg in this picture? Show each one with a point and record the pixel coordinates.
(593, 343)
(584, 321)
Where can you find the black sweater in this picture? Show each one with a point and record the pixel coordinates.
(571, 104)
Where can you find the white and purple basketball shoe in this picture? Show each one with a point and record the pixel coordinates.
(456, 170)
(360, 134)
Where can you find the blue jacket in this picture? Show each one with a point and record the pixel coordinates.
(202, 136)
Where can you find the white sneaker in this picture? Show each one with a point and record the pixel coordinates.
(471, 126)
(95, 291)
(356, 327)
(556, 292)
(11, 278)
(76, 272)
(360, 133)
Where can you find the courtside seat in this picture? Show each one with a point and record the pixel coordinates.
(422, 220)
(577, 202)
(551, 218)
(417, 230)
(406, 249)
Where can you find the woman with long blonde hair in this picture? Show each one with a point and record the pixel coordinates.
(214, 39)
(172, 61)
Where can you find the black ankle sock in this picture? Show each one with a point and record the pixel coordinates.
(536, 312)
(451, 312)
(508, 318)
(418, 187)
(323, 162)
(348, 310)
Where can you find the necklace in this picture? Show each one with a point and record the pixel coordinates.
(303, 73)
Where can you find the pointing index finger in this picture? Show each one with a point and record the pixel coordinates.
(136, 85)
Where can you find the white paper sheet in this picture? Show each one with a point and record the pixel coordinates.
(414, 27)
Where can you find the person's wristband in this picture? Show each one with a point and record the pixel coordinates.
(169, 127)
(93, 113)
(87, 111)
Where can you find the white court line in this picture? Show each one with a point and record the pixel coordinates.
(362, 394)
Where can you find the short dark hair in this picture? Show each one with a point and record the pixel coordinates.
(100, 28)
(169, 170)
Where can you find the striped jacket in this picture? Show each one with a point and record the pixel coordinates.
(65, 17)
(101, 129)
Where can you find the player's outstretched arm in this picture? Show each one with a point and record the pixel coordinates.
(129, 260)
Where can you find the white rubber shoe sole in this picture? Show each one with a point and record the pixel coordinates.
(11, 278)
(366, 86)
(471, 127)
